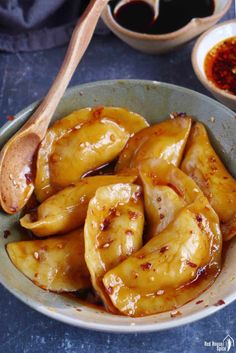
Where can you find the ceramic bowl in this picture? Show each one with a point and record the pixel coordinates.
(158, 44)
(203, 45)
(154, 101)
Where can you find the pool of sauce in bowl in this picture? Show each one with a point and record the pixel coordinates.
(220, 65)
(86, 297)
(137, 16)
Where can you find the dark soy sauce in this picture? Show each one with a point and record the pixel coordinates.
(137, 16)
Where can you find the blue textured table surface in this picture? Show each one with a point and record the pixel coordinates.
(25, 77)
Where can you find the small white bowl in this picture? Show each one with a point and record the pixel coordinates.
(205, 43)
(162, 43)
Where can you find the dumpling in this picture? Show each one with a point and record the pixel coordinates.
(172, 268)
(113, 230)
(122, 124)
(67, 209)
(61, 127)
(56, 264)
(164, 140)
(203, 165)
(84, 150)
(166, 190)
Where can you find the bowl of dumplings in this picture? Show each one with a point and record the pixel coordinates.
(132, 220)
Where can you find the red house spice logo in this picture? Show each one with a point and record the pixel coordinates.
(224, 346)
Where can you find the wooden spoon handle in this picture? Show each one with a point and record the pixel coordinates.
(79, 42)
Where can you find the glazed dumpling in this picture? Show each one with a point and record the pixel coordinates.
(56, 264)
(120, 121)
(203, 165)
(67, 209)
(166, 190)
(161, 276)
(113, 230)
(165, 140)
(43, 188)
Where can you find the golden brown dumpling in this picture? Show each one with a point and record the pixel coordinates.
(113, 230)
(203, 165)
(43, 189)
(92, 146)
(164, 140)
(56, 264)
(166, 190)
(125, 123)
(67, 209)
(172, 268)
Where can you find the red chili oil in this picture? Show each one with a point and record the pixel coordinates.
(220, 65)
(138, 16)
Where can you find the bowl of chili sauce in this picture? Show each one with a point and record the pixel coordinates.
(214, 62)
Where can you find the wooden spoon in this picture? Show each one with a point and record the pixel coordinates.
(16, 157)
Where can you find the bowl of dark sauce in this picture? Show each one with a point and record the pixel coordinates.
(178, 22)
